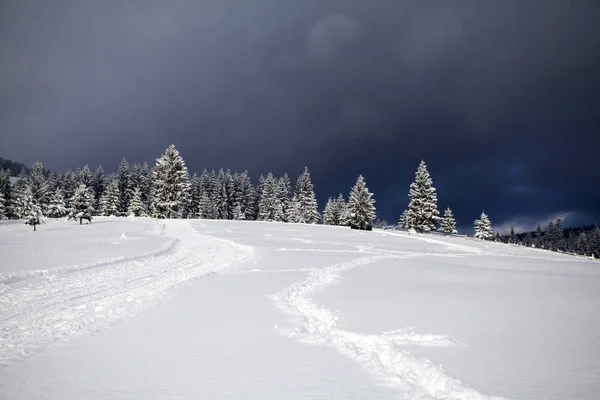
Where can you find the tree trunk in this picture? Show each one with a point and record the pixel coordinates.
(34, 225)
(80, 221)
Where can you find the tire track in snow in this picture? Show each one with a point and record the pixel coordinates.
(378, 354)
(82, 300)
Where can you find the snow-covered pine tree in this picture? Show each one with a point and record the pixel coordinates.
(220, 196)
(171, 184)
(136, 205)
(248, 197)
(6, 190)
(269, 203)
(448, 223)
(31, 210)
(512, 237)
(230, 191)
(82, 204)
(281, 202)
(483, 228)
(85, 177)
(238, 214)
(342, 216)
(68, 185)
(146, 185)
(285, 194)
(109, 202)
(329, 213)
(402, 222)
(3, 208)
(124, 185)
(360, 205)
(20, 195)
(38, 185)
(422, 213)
(98, 184)
(56, 208)
(304, 204)
(195, 193)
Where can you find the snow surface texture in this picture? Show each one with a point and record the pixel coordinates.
(41, 307)
(426, 317)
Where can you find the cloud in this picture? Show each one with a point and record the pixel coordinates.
(328, 35)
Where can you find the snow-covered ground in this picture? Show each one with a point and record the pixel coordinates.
(138, 308)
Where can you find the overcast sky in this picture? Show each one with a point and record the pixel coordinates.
(501, 98)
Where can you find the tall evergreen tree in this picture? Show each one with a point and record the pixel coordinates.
(304, 208)
(512, 235)
(402, 222)
(269, 203)
(483, 228)
(448, 224)
(329, 217)
(56, 208)
(68, 185)
(360, 205)
(109, 202)
(21, 194)
(196, 193)
(98, 184)
(85, 177)
(124, 185)
(342, 214)
(82, 204)
(171, 183)
(136, 205)
(6, 190)
(38, 185)
(422, 213)
(248, 197)
(3, 208)
(220, 196)
(31, 210)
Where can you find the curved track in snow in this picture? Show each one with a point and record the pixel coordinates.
(379, 354)
(42, 307)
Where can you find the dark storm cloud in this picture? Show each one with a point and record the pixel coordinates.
(500, 98)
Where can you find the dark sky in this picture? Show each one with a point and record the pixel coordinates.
(501, 98)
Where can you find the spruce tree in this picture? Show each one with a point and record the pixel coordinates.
(248, 197)
(483, 228)
(56, 208)
(195, 194)
(402, 222)
(360, 205)
(68, 185)
(124, 185)
(342, 216)
(512, 235)
(31, 210)
(82, 204)
(329, 217)
(171, 184)
(21, 194)
(3, 208)
(39, 186)
(269, 204)
(448, 224)
(6, 190)
(304, 207)
(422, 213)
(221, 196)
(98, 184)
(136, 205)
(109, 202)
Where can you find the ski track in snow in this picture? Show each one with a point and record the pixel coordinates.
(49, 306)
(381, 355)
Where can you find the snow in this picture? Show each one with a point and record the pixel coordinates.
(235, 309)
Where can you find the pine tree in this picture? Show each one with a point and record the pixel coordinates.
(329, 217)
(422, 211)
(171, 183)
(195, 194)
(85, 177)
(56, 208)
(248, 197)
(538, 236)
(21, 194)
(269, 203)
(6, 190)
(448, 224)
(220, 196)
(402, 222)
(68, 185)
(38, 185)
(124, 185)
(238, 214)
(136, 206)
(483, 228)
(82, 204)
(360, 205)
(304, 207)
(3, 208)
(98, 184)
(31, 210)
(109, 202)
(342, 216)
(512, 235)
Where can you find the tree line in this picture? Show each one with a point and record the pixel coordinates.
(166, 190)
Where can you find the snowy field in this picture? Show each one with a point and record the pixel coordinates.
(145, 309)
